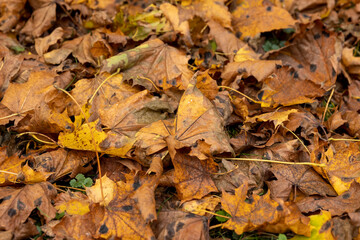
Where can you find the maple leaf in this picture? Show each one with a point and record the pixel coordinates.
(321, 226)
(150, 58)
(320, 64)
(278, 90)
(122, 217)
(254, 18)
(18, 203)
(252, 214)
(10, 166)
(181, 225)
(342, 166)
(192, 176)
(346, 202)
(302, 177)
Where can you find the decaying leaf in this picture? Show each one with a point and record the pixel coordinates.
(150, 59)
(254, 19)
(18, 203)
(249, 215)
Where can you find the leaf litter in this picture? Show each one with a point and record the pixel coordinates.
(194, 119)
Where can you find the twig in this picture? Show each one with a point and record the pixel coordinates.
(327, 105)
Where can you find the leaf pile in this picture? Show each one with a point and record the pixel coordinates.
(191, 119)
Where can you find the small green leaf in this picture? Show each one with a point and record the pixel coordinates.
(80, 177)
(289, 30)
(17, 49)
(224, 213)
(73, 183)
(88, 182)
(282, 237)
(59, 215)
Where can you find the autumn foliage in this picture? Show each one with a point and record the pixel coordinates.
(187, 119)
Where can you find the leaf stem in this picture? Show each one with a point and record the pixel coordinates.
(3, 171)
(327, 105)
(32, 134)
(242, 94)
(302, 143)
(98, 88)
(275, 161)
(92, 138)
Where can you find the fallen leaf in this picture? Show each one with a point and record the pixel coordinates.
(278, 90)
(252, 214)
(43, 44)
(180, 225)
(41, 20)
(255, 19)
(301, 177)
(321, 63)
(346, 202)
(321, 225)
(150, 57)
(18, 203)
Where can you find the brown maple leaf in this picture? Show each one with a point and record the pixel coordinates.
(250, 215)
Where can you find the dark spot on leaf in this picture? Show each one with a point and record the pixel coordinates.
(5, 198)
(238, 34)
(179, 226)
(279, 208)
(241, 70)
(104, 144)
(118, 144)
(306, 16)
(220, 99)
(160, 81)
(207, 56)
(221, 111)
(260, 95)
(317, 36)
(346, 195)
(38, 202)
(318, 156)
(325, 227)
(296, 75)
(326, 34)
(333, 73)
(268, 9)
(127, 208)
(11, 212)
(278, 66)
(250, 199)
(300, 66)
(292, 71)
(173, 82)
(20, 205)
(143, 5)
(203, 79)
(50, 187)
(170, 230)
(136, 185)
(150, 218)
(313, 67)
(103, 229)
(247, 16)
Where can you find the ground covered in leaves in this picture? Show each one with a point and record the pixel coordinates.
(192, 119)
